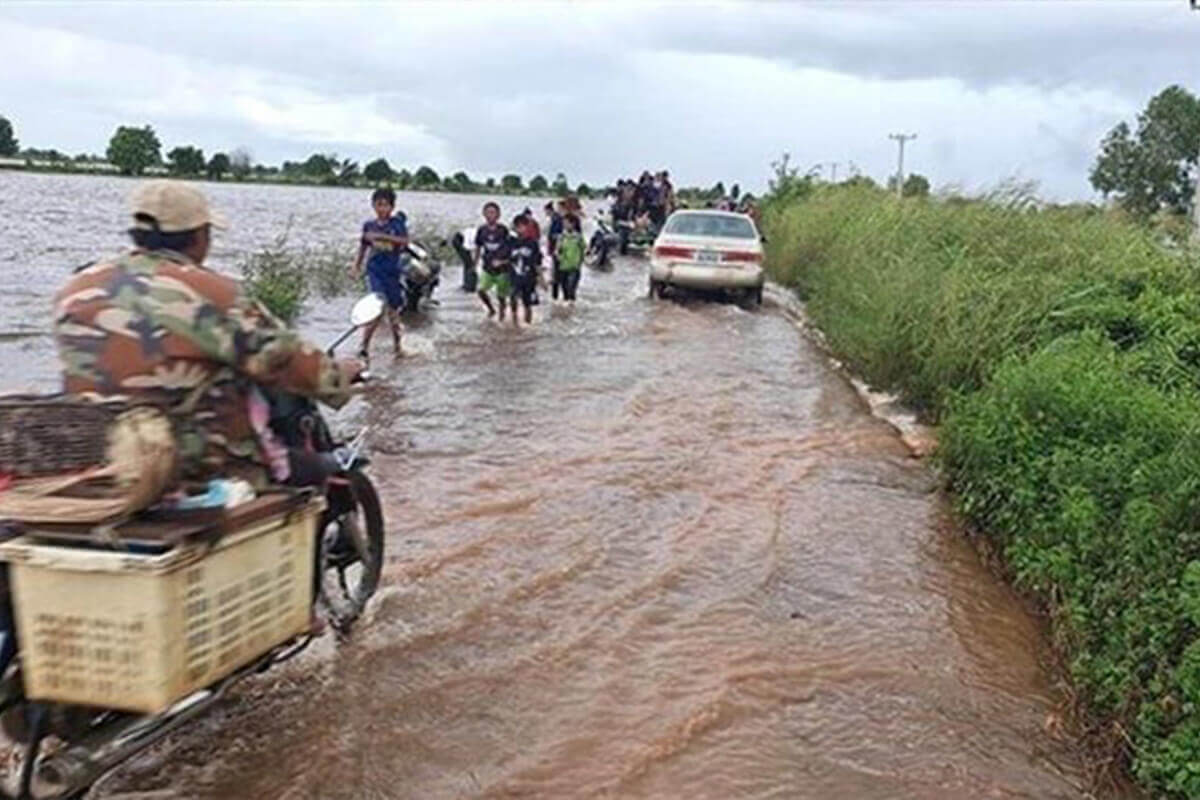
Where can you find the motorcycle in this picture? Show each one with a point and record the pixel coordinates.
(66, 747)
(637, 235)
(599, 251)
(420, 277)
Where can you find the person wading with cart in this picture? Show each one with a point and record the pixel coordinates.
(183, 607)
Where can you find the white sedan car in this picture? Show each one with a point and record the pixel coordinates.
(706, 249)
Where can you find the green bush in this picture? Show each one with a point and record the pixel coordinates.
(278, 279)
(283, 279)
(1086, 477)
(1060, 350)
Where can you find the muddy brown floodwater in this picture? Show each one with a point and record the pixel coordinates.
(645, 550)
(641, 550)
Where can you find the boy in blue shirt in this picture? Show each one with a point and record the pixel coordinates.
(385, 238)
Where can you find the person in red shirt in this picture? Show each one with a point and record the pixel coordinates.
(535, 230)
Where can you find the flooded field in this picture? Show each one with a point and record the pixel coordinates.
(642, 549)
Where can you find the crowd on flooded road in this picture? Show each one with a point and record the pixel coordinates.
(651, 197)
(700, 585)
(509, 264)
(505, 264)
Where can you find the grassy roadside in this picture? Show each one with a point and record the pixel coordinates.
(1059, 350)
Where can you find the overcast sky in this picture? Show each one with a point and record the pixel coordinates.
(711, 91)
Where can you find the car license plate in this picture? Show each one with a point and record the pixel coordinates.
(708, 256)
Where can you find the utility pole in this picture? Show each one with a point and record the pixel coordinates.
(834, 165)
(900, 138)
(1196, 205)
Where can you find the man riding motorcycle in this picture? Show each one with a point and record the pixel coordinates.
(157, 324)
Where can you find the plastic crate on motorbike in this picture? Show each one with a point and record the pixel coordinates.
(121, 609)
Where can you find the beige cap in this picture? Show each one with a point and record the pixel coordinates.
(175, 205)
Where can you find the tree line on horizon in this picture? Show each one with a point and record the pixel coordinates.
(1148, 168)
(137, 151)
(134, 150)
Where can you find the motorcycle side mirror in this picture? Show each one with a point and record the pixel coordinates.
(366, 310)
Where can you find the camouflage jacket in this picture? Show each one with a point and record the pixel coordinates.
(154, 325)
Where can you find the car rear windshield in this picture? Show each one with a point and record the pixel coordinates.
(717, 225)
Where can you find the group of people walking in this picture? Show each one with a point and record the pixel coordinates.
(512, 265)
(507, 268)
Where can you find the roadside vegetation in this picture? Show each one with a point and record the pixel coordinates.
(281, 279)
(1059, 350)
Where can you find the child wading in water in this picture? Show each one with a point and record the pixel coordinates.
(526, 255)
(570, 248)
(385, 238)
(554, 231)
(491, 254)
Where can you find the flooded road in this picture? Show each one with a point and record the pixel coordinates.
(641, 550)
(645, 550)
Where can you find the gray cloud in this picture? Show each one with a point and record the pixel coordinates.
(714, 91)
(1124, 46)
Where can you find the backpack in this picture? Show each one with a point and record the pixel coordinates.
(570, 251)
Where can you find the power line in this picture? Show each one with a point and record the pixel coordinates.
(900, 138)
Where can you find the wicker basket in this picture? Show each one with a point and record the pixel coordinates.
(54, 434)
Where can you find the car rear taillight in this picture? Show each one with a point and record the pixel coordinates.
(742, 257)
(670, 251)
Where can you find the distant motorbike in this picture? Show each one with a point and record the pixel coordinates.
(600, 247)
(420, 277)
(637, 235)
(230, 618)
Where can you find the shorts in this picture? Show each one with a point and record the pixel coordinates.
(388, 286)
(524, 288)
(499, 281)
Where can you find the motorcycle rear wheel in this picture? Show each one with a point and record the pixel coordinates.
(351, 551)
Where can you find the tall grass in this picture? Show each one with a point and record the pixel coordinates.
(284, 278)
(926, 297)
(1060, 348)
